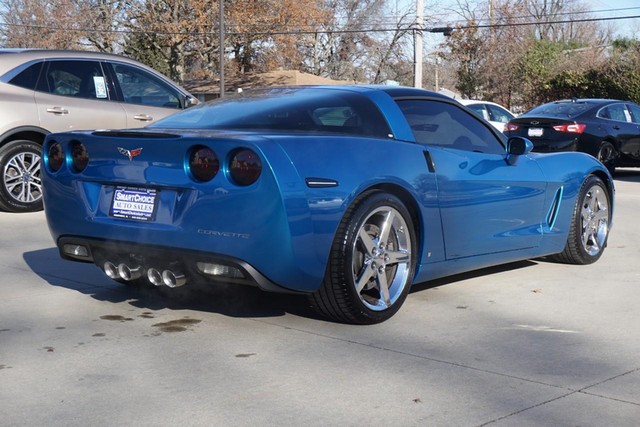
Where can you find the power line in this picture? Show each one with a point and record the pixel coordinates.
(321, 31)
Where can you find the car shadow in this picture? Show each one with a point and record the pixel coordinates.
(627, 175)
(418, 287)
(227, 299)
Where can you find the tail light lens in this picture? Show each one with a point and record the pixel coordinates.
(79, 157)
(511, 127)
(245, 167)
(203, 164)
(55, 157)
(571, 128)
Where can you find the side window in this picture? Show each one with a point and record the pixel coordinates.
(140, 87)
(616, 112)
(479, 110)
(81, 79)
(498, 114)
(446, 125)
(28, 78)
(635, 112)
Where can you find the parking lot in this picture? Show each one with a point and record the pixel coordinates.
(526, 344)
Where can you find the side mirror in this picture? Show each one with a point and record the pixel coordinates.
(190, 101)
(517, 146)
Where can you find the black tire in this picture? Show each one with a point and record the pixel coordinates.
(367, 280)
(21, 185)
(607, 154)
(589, 229)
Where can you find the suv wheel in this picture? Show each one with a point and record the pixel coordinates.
(21, 185)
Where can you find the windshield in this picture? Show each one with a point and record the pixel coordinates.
(285, 109)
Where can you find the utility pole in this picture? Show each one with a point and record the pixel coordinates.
(417, 44)
(221, 46)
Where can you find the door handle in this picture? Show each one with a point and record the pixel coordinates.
(57, 110)
(143, 117)
(616, 127)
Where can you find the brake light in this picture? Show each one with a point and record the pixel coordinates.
(55, 157)
(571, 128)
(79, 157)
(511, 127)
(245, 167)
(203, 163)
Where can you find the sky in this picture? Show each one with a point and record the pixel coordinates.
(601, 8)
(624, 27)
(440, 12)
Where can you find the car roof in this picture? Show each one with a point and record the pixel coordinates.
(476, 101)
(393, 91)
(586, 101)
(12, 58)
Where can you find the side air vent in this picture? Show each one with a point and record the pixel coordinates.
(555, 207)
(321, 182)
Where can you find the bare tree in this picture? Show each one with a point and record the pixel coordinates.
(508, 52)
(40, 24)
(263, 32)
(169, 32)
(101, 19)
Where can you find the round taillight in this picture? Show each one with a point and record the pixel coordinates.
(55, 157)
(203, 164)
(79, 157)
(245, 167)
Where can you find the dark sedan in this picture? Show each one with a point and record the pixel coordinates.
(607, 129)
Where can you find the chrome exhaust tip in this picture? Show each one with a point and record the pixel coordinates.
(155, 277)
(129, 273)
(173, 279)
(110, 270)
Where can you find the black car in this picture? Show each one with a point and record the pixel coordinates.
(605, 128)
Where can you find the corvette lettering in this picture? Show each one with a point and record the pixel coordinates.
(223, 234)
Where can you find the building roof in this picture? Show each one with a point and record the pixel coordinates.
(249, 81)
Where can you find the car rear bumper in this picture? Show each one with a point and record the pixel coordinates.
(546, 146)
(138, 261)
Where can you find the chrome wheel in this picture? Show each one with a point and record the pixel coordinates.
(595, 220)
(590, 222)
(381, 258)
(372, 261)
(21, 177)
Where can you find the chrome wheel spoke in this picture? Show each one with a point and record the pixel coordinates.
(385, 228)
(365, 275)
(368, 245)
(602, 216)
(398, 257)
(383, 288)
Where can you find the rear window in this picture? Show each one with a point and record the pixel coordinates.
(283, 109)
(561, 109)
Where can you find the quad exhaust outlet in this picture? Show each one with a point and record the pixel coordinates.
(172, 278)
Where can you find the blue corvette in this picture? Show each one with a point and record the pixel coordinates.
(349, 194)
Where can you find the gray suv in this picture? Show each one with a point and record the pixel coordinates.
(44, 91)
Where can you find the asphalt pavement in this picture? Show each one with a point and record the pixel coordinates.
(527, 344)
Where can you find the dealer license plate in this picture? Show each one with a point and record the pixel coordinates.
(134, 203)
(537, 132)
